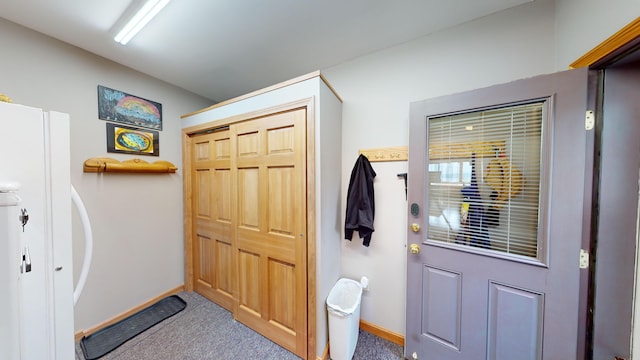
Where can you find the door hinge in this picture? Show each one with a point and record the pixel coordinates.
(589, 120)
(584, 259)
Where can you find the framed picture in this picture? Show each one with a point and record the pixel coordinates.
(130, 140)
(118, 106)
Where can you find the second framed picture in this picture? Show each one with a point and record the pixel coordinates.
(130, 140)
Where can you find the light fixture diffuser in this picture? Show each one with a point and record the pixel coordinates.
(139, 20)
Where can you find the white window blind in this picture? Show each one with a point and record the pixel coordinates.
(484, 179)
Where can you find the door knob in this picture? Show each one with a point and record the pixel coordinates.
(414, 248)
(415, 227)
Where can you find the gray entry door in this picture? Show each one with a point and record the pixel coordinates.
(496, 194)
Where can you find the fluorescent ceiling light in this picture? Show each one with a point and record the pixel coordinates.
(139, 20)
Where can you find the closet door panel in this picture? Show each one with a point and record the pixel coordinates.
(248, 198)
(224, 268)
(223, 196)
(270, 158)
(203, 194)
(282, 294)
(248, 144)
(249, 298)
(280, 212)
(212, 201)
(206, 276)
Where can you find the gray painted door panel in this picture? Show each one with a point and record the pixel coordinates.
(466, 303)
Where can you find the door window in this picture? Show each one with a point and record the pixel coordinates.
(484, 179)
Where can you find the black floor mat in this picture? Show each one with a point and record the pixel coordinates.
(108, 339)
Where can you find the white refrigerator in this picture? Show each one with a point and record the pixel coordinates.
(36, 276)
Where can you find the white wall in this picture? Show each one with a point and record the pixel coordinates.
(583, 24)
(377, 90)
(137, 219)
(536, 38)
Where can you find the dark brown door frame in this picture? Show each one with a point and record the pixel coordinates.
(623, 43)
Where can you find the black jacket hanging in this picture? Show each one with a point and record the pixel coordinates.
(360, 201)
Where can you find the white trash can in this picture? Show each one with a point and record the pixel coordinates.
(343, 305)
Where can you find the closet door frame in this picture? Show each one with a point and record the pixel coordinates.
(187, 180)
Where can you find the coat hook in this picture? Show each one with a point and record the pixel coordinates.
(404, 176)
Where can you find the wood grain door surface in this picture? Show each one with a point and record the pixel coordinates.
(249, 207)
(212, 260)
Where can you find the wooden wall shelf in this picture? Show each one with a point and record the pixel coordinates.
(100, 165)
(438, 151)
(395, 153)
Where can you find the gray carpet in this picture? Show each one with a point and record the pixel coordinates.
(206, 331)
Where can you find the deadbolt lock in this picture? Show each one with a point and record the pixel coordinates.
(414, 248)
(415, 227)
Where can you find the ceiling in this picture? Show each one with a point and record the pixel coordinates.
(221, 49)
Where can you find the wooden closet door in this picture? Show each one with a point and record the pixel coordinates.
(269, 168)
(212, 229)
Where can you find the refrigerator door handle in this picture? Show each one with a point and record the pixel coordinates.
(88, 243)
(25, 265)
